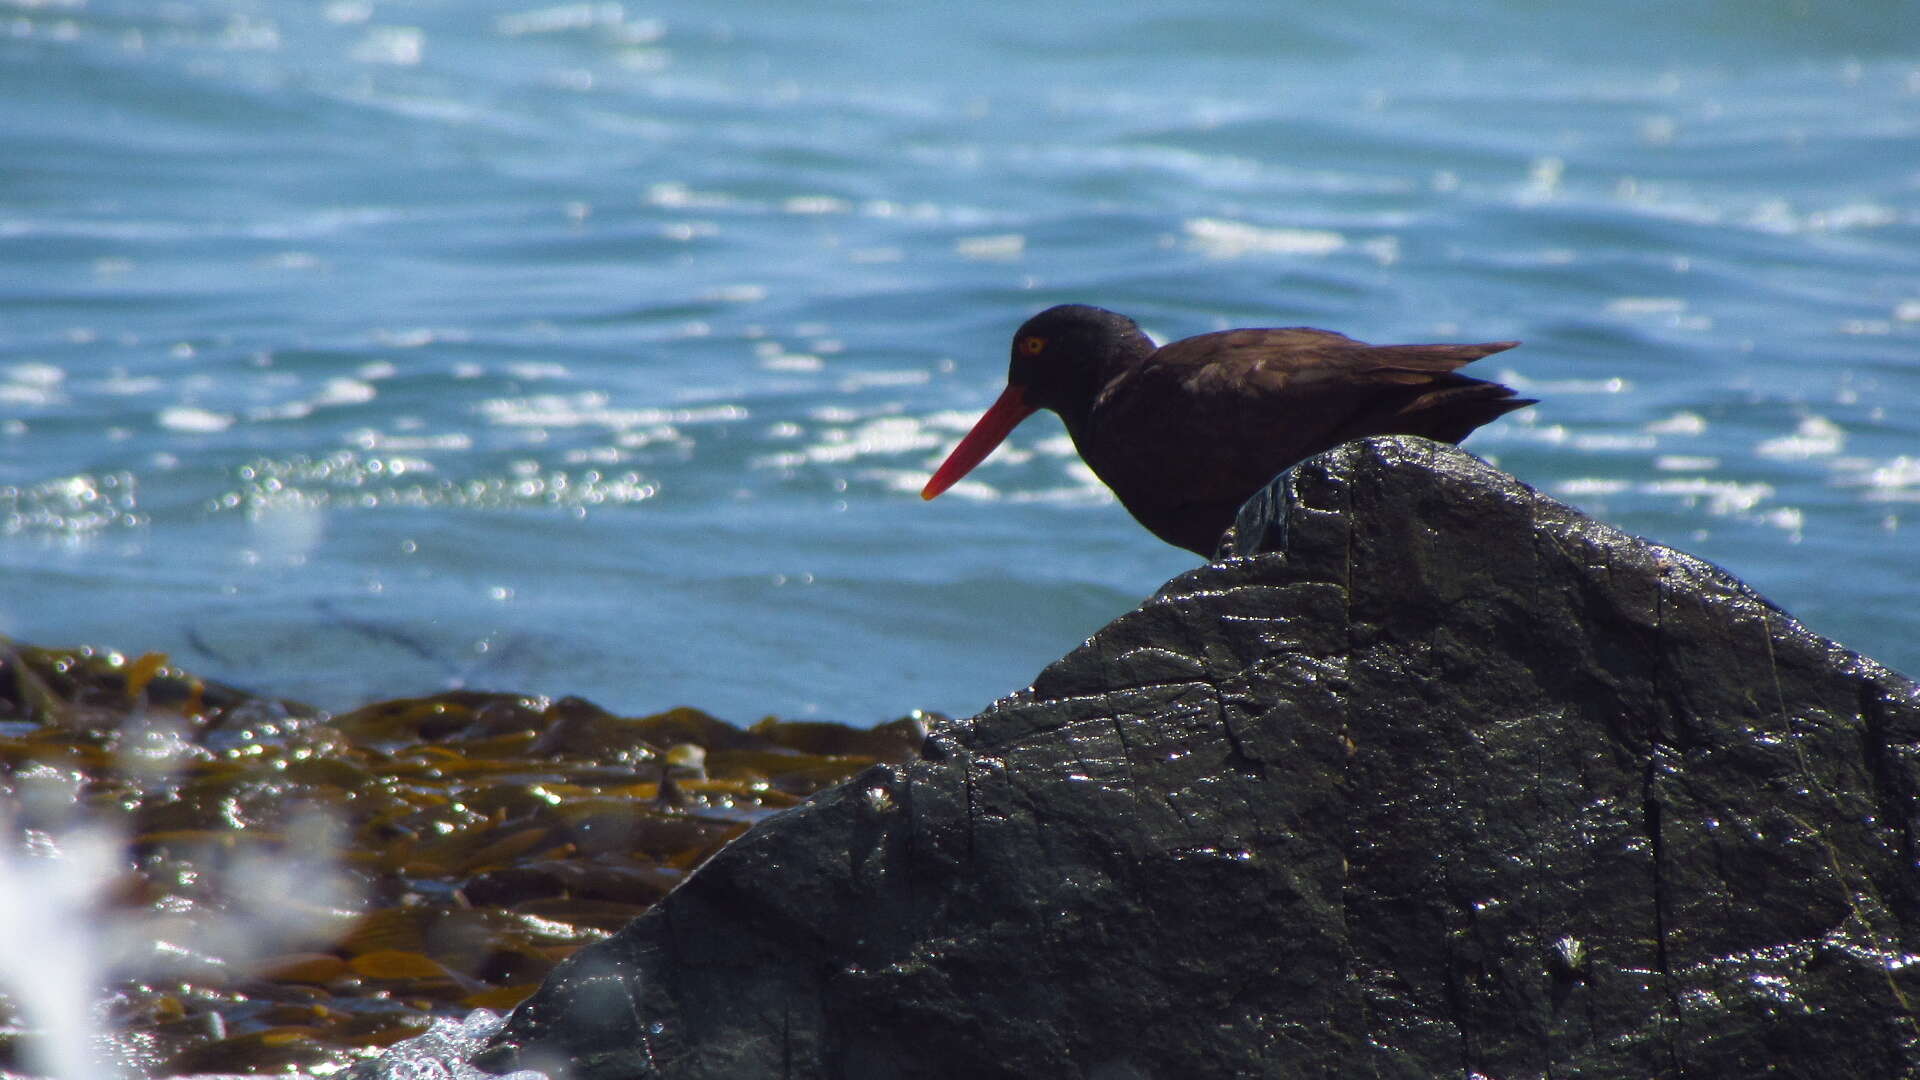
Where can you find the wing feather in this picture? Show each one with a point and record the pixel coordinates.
(1196, 427)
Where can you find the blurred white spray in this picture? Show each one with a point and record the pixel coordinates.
(65, 939)
(52, 895)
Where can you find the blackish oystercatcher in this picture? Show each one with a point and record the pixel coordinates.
(1186, 432)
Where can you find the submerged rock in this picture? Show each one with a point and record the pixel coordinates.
(1447, 779)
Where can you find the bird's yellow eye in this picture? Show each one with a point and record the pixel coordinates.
(1033, 345)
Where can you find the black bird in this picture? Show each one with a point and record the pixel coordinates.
(1186, 432)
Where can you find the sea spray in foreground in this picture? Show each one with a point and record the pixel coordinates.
(52, 888)
(79, 924)
(66, 943)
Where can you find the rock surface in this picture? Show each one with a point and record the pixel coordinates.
(1450, 781)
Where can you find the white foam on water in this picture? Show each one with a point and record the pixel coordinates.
(191, 419)
(442, 1053)
(1218, 238)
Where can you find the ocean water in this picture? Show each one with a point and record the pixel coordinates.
(362, 348)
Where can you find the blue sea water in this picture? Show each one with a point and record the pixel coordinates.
(361, 348)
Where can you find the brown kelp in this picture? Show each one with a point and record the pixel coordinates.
(304, 889)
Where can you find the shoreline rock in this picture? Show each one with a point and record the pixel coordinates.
(1443, 778)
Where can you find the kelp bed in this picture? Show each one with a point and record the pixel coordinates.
(306, 889)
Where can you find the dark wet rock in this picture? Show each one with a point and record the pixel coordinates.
(1451, 781)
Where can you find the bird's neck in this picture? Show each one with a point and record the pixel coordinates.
(1103, 364)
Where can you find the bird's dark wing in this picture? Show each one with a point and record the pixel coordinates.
(1187, 435)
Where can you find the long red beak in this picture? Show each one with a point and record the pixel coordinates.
(1000, 420)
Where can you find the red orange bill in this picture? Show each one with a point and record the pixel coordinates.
(1001, 418)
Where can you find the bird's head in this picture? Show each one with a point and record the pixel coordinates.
(1060, 360)
(1064, 355)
